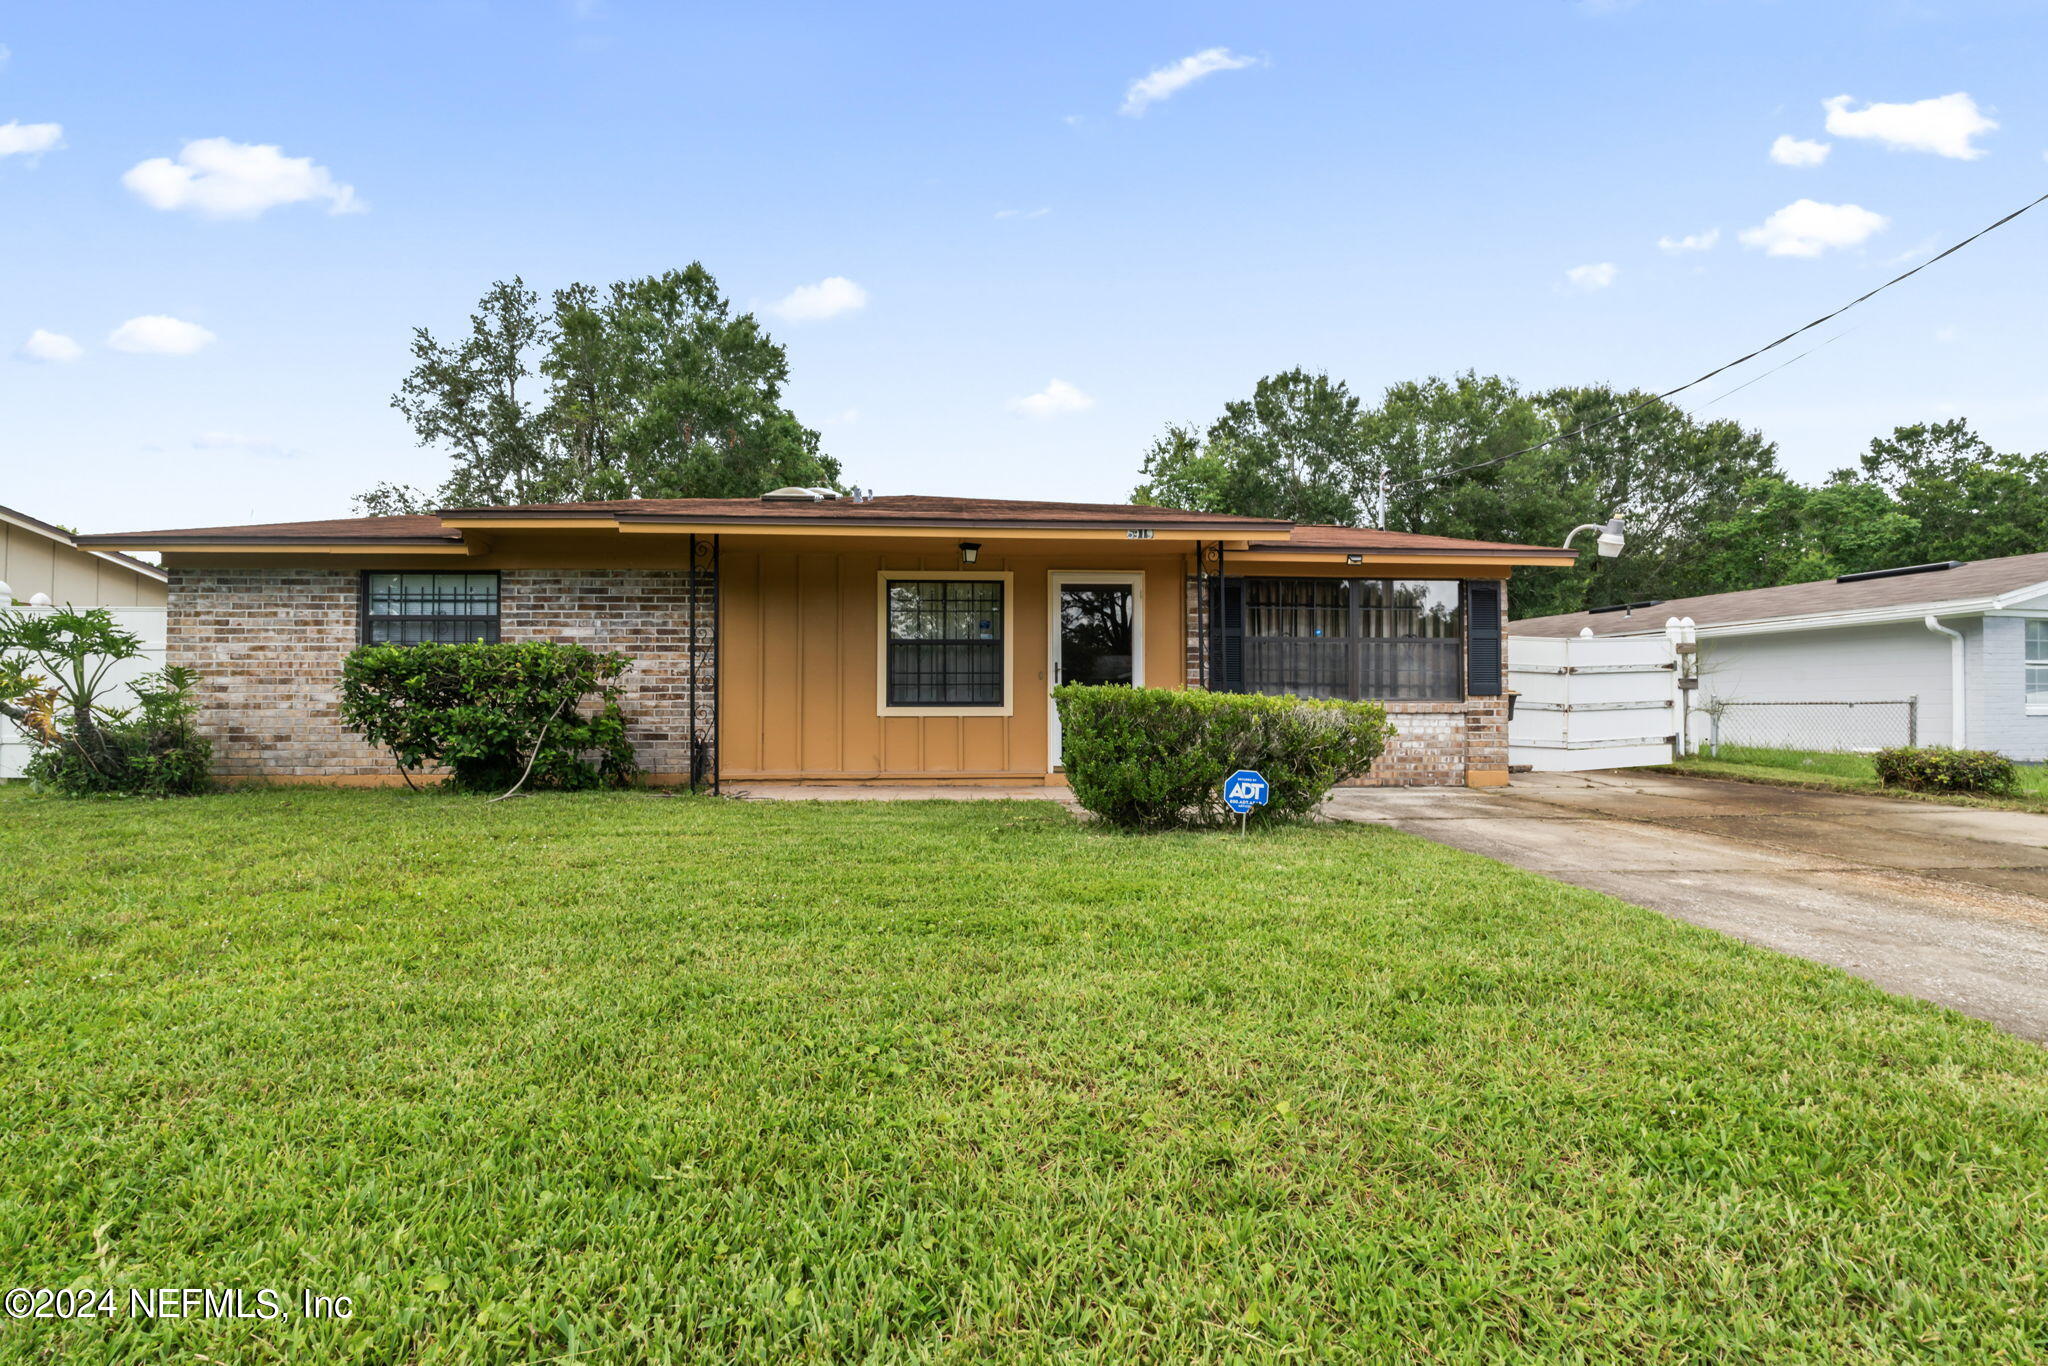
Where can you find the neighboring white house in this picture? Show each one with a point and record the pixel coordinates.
(40, 564)
(1969, 641)
(38, 558)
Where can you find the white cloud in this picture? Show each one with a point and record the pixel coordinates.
(154, 334)
(826, 299)
(1791, 151)
(1056, 398)
(1169, 81)
(29, 139)
(235, 443)
(6, 54)
(1806, 228)
(1022, 213)
(220, 178)
(54, 347)
(1597, 276)
(1944, 126)
(1692, 241)
(845, 418)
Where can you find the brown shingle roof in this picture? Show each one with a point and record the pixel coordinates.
(380, 530)
(1966, 583)
(908, 509)
(1353, 538)
(904, 511)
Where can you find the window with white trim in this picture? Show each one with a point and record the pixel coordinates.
(2037, 666)
(945, 642)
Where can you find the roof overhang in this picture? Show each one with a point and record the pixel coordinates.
(1322, 554)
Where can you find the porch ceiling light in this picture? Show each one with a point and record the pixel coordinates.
(1611, 538)
(970, 551)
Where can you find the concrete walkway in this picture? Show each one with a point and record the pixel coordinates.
(1946, 903)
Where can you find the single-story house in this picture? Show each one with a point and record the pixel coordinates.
(808, 637)
(1968, 641)
(38, 559)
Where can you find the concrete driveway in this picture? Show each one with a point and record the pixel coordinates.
(1946, 903)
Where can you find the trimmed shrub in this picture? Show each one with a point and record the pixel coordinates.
(1154, 758)
(486, 712)
(53, 686)
(1937, 768)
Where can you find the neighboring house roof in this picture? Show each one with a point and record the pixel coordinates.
(63, 537)
(1980, 586)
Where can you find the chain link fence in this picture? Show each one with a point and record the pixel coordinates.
(1816, 727)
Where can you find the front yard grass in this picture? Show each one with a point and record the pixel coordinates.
(634, 1077)
(1848, 773)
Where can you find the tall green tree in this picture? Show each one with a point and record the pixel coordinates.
(1966, 500)
(648, 388)
(1291, 450)
(1455, 459)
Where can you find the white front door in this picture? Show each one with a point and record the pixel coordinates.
(1097, 628)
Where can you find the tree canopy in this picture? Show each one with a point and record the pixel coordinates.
(1707, 506)
(648, 388)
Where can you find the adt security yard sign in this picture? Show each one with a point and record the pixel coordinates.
(1246, 789)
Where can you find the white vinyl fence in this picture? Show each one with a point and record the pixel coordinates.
(1593, 702)
(147, 622)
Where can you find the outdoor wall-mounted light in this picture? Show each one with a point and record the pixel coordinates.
(1611, 538)
(970, 551)
(1354, 559)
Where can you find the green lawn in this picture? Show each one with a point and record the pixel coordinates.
(1849, 772)
(632, 1077)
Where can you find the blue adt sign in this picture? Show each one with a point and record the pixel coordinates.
(1244, 790)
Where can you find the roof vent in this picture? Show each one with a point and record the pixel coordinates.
(1903, 569)
(791, 495)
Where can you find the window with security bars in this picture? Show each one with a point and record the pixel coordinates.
(1357, 639)
(446, 609)
(2037, 666)
(945, 644)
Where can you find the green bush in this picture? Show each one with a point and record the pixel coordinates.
(1937, 768)
(486, 711)
(54, 667)
(1152, 758)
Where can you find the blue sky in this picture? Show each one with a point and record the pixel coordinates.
(1381, 191)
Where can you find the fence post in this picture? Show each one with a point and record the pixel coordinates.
(1714, 731)
(1913, 721)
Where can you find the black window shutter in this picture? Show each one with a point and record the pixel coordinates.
(1226, 659)
(1482, 639)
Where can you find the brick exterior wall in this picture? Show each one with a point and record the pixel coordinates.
(268, 645)
(1436, 744)
(644, 614)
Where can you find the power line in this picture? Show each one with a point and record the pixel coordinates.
(1779, 366)
(1692, 383)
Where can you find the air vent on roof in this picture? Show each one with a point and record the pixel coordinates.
(1623, 606)
(1903, 569)
(797, 495)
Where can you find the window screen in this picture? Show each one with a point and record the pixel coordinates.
(1371, 639)
(945, 642)
(2037, 665)
(449, 609)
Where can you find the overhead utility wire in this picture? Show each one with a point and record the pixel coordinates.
(1781, 365)
(1691, 383)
